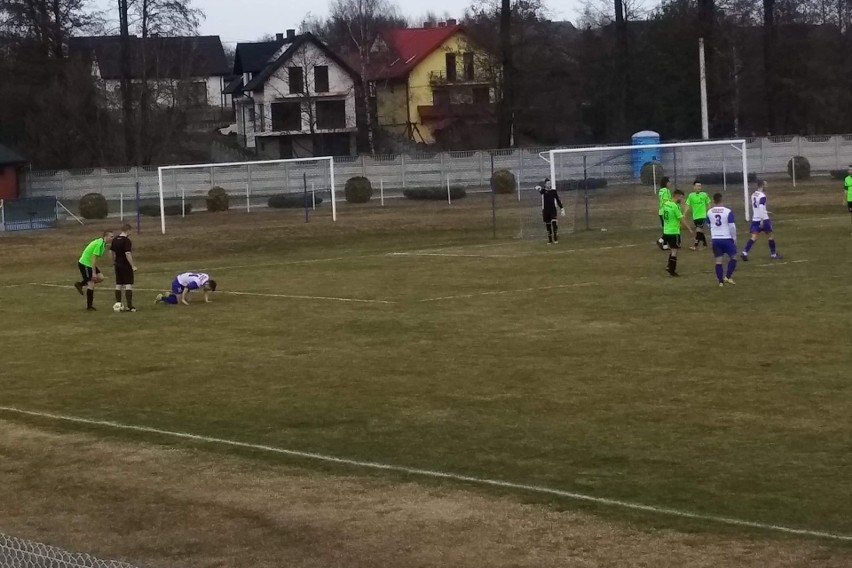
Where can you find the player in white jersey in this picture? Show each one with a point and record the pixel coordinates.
(723, 232)
(760, 222)
(184, 283)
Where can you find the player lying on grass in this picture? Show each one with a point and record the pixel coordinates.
(760, 222)
(184, 283)
(723, 233)
(88, 265)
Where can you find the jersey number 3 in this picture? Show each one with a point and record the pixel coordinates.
(718, 220)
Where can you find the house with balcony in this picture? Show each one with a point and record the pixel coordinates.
(434, 85)
(294, 98)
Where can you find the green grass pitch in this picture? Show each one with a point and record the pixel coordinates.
(580, 367)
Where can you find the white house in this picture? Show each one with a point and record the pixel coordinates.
(294, 98)
(181, 71)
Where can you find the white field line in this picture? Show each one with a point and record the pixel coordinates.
(515, 291)
(783, 263)
(549, 252)
(256, 294)
(434, 474)
(12, 285)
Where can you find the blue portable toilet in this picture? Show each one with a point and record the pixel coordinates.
(642, 156)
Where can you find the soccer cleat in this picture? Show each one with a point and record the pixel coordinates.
(660, 244)
(776, 256)
(91, 309)
(729, 281)
(79, 287)
(693, 248)
(721, 285)
(556, 241)
(744, 256)
(158, 299)
(672, 273)
(129, 310)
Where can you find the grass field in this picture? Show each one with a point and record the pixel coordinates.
(418, 340)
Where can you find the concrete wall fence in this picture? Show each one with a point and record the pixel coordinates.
(469, 169)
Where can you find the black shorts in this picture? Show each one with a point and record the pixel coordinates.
(123, 275)
(672, 240)
(86, 272)
(548, 216)
(699, 222)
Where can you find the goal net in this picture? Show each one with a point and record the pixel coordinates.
(299, 183)
(608, 188)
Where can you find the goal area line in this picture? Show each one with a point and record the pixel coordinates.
(431, 473)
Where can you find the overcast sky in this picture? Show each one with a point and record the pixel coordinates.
(247, 20)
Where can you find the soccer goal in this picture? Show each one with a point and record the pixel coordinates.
(614, 187)
(304, 183)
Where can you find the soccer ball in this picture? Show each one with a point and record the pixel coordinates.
(117, 307)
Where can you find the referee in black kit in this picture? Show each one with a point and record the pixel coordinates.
(549, 204)
(122, 258)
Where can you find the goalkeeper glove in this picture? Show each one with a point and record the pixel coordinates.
(538, 188)
(562, 211)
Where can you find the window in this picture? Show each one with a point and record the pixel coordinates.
(193, 94)
(297, 80)
(467, 61)
(440, 98)
(331, 114)
(286, 117)
(321, 79)
(481, 96)
(251, 116)
(451, 67)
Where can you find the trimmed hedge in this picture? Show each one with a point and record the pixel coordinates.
(94, 206)
(292, 201)
(803, 167)
(588, 183)
(718, 178)
(651, 173)
(170, 209)
(358, 189)
(503, 181)
(217, 200)
(434, 193)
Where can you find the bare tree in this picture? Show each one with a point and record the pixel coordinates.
(363, 20)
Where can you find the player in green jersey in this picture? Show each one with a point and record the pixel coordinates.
(673, 220)
(664, 194)
(88, 265)
(847, 183)
(698, 201)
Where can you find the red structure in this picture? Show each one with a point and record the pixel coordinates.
(10, 166)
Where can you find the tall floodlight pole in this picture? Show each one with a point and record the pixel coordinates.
(705, 121)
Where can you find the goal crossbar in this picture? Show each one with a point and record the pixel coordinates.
(737, 144)
(162, 169)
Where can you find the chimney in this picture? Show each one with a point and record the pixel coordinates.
(442, 24)
(452, 22)
(279, 37)
(291, 34)
(428, 25)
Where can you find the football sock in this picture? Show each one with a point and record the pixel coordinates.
(702, 238)
(672, 266)
(748, 246)
(719, 272)
(90, 298)
(732, 265)
(129, 295)
(549, 231)
(118, 295)
(555, 231)
(772, 246)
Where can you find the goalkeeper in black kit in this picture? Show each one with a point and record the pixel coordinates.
(550, 206)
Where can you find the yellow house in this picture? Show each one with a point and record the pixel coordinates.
(434, 85)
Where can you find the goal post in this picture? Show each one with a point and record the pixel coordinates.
(247, 183)
(605, 187)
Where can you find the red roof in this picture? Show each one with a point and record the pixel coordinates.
(408, 47)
